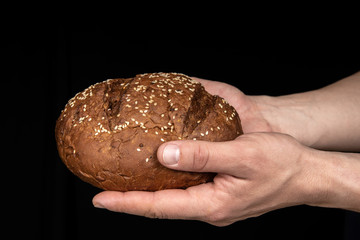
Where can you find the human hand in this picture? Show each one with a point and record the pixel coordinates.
(257, 173)
(252, 119)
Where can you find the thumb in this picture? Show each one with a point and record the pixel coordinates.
(198, 156)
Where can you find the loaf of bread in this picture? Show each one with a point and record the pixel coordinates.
(108, 134)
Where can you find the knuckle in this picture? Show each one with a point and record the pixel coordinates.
(217, 214)
(218, 218)
(200, 157)
(217, 210)
(154, 210)
(152, 213)
(251, 145)
(252, 152)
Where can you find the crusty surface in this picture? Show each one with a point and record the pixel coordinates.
(108, 134)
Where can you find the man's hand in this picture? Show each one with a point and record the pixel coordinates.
(257, 173)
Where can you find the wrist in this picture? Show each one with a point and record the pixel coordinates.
(331, 179)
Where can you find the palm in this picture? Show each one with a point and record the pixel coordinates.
(251, 118)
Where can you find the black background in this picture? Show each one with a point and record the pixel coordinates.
(45, 63)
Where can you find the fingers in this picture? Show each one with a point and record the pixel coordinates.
(199, 156)
(169, 204)
(217, 88)
(230, 93)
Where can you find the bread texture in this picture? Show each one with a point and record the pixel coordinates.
(108, 134)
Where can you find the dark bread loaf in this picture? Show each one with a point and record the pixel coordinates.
(108, 134)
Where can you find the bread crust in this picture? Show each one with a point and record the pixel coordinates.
(108, 134)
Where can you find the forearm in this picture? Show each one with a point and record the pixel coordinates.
(328, 118)
(333, 180)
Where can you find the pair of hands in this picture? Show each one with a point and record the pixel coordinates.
(258, 172)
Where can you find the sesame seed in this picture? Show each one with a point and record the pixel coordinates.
(162, 139)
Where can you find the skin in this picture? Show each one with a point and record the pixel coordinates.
(279, 162)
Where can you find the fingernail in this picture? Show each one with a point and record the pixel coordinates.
(171, 154)
(98, 205)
